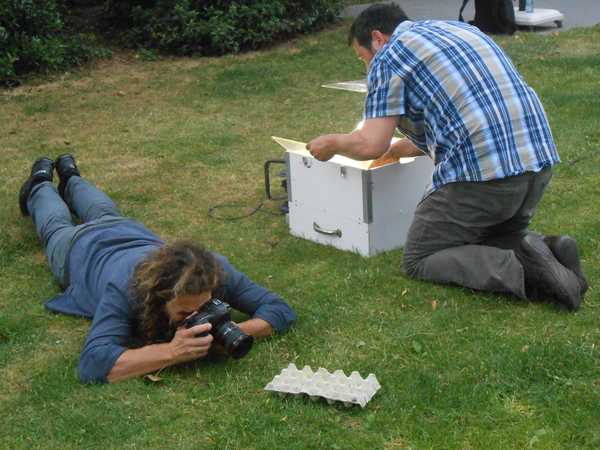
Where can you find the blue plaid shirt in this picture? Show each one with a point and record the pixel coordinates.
(461, 101)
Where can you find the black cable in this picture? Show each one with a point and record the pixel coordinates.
(255, 209)
(212, 209)
(282, 210)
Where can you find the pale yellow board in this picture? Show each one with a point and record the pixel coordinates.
(300, 148)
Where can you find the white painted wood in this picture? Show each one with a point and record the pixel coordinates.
(330, 188)
(354, 235)
(397, 189)
(362, 210)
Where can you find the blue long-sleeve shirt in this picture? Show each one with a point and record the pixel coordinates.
(101, 263)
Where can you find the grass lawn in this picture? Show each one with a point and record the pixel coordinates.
(167, 139)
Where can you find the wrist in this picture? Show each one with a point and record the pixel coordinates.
(256, 328)
(172, 355)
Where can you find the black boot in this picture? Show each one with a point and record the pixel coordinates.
(565, 250)
(545, 277)
(41, 170)
(66, 168)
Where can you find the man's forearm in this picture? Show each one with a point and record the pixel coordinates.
(355, 146)
(139, 361)
(369, 142)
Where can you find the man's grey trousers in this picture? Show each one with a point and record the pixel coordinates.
(464, 233)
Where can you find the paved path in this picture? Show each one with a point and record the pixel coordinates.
(578, 13)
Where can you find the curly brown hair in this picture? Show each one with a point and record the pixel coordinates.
(181, 268)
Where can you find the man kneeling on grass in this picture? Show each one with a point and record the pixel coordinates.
(458, 98)
(138, 290)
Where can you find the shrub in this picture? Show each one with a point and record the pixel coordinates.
(33, 39)
(212, 27)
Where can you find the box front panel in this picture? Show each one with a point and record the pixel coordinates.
(313, 224)
(332, 189)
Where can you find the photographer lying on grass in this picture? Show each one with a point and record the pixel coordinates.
(137, 290)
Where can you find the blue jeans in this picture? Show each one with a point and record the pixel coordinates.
(54, 223)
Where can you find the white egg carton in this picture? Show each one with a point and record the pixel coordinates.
(336, 386)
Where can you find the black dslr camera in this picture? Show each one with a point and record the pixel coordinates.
(235, 341)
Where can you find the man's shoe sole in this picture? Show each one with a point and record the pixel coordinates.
(555, 279)
(566, 251)
(65, 171)
(24, 196)
(34, 178)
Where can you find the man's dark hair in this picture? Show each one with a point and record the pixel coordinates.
(382, 17)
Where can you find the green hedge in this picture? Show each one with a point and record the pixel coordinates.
(33, 39)
(212, 27)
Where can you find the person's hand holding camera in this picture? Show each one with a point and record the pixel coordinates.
(188, 344)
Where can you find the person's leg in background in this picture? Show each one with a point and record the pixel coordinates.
(87, 202)
(50, 215)
(445, 240)
(475, 235)
(509, 234)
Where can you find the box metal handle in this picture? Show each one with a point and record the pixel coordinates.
(337, 232)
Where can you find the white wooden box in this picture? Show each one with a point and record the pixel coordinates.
(344, 203)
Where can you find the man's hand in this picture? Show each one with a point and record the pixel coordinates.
(187, 346)
(387, 158)
(402, 148)
(323, 147)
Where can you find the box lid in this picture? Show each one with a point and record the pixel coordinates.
(299, 148)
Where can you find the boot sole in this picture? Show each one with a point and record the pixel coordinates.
(565, 250)
(38, 176)
(62, 172)
(561, 282)
(24, 196)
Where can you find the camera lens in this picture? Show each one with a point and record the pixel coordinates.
(236, 342)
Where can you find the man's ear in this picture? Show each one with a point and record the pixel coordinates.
(378, 39)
